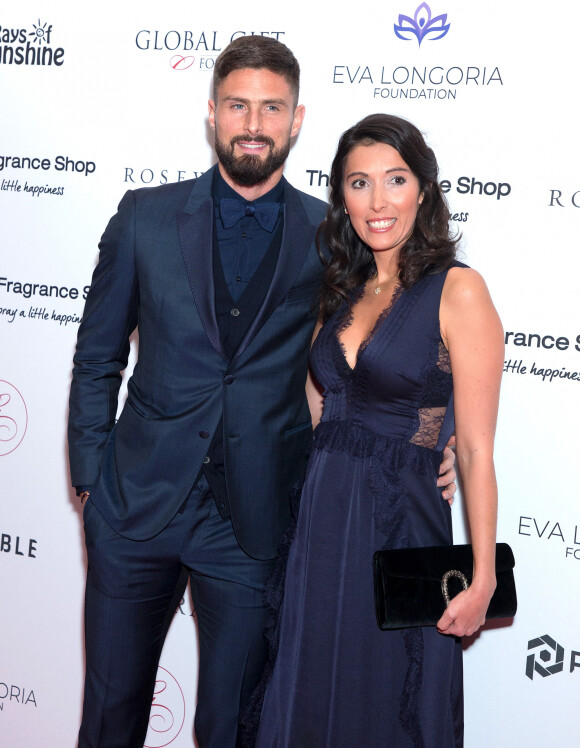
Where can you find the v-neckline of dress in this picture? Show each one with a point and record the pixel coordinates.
(347, 321)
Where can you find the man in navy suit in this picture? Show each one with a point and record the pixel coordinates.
(220, 275)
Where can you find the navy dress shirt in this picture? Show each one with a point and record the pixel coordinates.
(243, 246)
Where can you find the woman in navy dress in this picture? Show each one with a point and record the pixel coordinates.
(409, 348)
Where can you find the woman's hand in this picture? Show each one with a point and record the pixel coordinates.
(465, 614)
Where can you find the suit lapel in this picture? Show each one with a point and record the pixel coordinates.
(195, 230)
(297, 239)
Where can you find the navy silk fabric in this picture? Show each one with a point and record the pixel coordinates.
(339, 681)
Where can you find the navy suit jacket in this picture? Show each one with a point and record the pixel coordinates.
(155, 272)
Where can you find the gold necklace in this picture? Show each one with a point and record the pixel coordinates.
(378, 289)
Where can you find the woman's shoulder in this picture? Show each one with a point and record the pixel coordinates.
(463, 287)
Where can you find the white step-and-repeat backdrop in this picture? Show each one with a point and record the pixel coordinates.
(98, 99)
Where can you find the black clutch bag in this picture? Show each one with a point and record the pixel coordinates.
(413, 586)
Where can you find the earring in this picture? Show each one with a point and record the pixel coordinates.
(346, 211)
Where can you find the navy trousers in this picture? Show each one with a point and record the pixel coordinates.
(133, 588)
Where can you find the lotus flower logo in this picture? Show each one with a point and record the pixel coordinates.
(422, 24)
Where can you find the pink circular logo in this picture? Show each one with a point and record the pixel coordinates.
(167, 711)
(13, 418)
(179, 62)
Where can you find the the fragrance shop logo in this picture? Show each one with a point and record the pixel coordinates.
(32, 45)
(547, 657)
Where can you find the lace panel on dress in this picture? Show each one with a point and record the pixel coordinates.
(431, 418)
(444, 362)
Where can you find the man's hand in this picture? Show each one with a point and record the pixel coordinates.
(447, 474)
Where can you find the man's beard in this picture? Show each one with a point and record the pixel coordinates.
(248, 170)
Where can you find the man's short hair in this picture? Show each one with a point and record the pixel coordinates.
(258, 52)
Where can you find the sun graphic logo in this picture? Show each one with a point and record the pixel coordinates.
(41, 34)
(549, 652)
(422, 25)
(167, 711)
(13, 418)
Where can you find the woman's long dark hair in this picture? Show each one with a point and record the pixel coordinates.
(430, 248)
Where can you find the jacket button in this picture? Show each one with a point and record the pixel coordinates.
(204, 434)
(235, 312)
(206, 460)
(228, 379)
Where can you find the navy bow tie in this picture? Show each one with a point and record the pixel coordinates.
(231, 210)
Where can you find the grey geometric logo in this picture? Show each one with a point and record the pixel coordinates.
(547, 659)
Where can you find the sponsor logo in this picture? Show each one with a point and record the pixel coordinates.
(36, 163)
(184, 42)
(27, 289)
(167, 711)
(401, 82)
(11, 694)
(13, 418)
(544, 342)
(29, 46)
(422, 26)
(547, 657)
(463, 186)
(40, 164)
(434, 82)
(548, 529)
